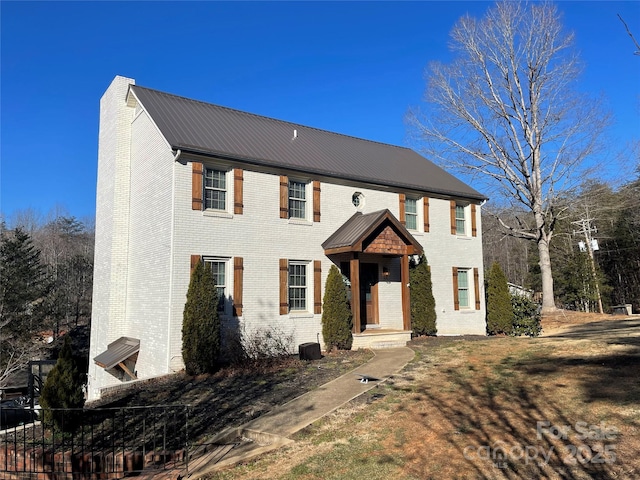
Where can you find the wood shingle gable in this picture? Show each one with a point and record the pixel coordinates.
(377, 232)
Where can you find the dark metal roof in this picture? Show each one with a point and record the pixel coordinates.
(117, 352)
(360, 226)
(198, 127)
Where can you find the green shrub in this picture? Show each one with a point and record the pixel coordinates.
(201, 324)
(63, 389)
(526, 316)
(423, 304)
(336, 314)
(499, 309)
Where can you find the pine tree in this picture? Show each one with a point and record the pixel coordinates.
(22, 284)
(63, 390)
(201, 324)
(336, 314)
(423, 303)
(499, 310)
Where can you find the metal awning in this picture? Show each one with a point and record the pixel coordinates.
(117, 352)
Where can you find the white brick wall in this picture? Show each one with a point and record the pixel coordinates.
(112, 222)
(443, 252)
(150, 245)
(262, 238)
(143, 252)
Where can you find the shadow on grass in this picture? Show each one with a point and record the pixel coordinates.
(234, 395)
(509, 421)
(612, 376)
(615, 332)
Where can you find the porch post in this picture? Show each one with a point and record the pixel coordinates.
(406, 300)
(354, 269)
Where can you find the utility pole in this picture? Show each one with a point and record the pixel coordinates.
(591, 245)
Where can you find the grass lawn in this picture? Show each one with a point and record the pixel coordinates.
(563, 406)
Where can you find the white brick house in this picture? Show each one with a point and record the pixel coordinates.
(270, 205)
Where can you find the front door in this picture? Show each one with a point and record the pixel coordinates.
(368, 294)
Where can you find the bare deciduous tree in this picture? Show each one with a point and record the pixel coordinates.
(637, 52)
(506, 110)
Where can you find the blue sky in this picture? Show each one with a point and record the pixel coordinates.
(349, 67)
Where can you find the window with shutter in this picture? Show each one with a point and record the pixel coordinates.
(297, 286)
(215, 189)
(218, 267)
(459, 212)
(297, 200)
(463, 295)
(411, 213)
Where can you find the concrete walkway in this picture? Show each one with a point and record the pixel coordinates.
(272, 430)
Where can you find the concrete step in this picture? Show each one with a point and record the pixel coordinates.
(381, 339)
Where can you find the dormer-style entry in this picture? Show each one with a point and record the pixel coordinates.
(380, 234)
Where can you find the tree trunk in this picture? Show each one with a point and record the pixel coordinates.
(548, 300)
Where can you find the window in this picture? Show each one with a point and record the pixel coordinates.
(219, 268)
(215, 189)
(297, 286)
(463, 288)
(411, 213)
(297, 199)
(460, 226)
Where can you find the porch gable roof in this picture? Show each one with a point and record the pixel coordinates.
(361, 229)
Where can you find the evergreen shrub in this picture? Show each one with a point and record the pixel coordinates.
(63, 389)
(423, 303)
(336, 313)
(201, 324)
(499, 309)
(526, 319)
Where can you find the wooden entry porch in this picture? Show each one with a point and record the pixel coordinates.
(375, 235)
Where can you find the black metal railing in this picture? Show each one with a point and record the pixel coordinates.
(77, 444)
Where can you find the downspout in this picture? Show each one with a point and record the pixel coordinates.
(170, 357)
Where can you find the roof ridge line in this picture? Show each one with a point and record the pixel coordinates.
(268, 118)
